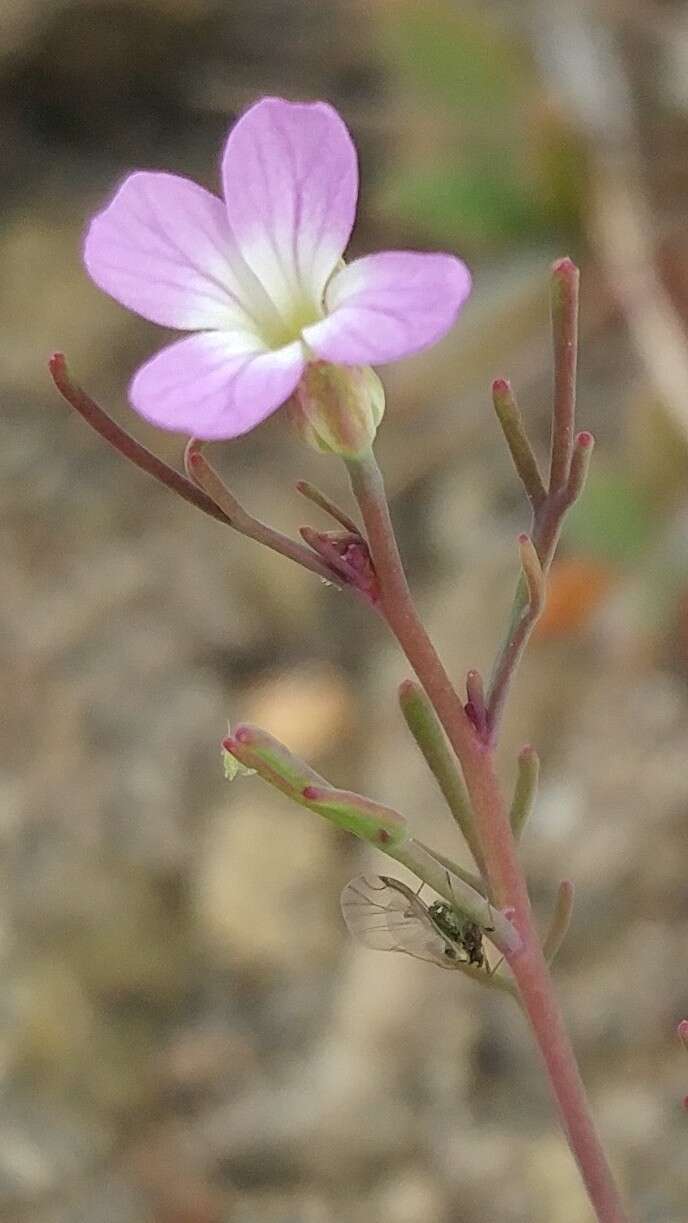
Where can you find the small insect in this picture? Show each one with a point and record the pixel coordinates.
(385, 914)
(463, 933)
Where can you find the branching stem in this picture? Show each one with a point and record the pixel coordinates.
(213, 497)
(209, 480)
(569, 463)
(505, 877)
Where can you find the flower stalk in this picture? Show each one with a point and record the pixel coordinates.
(505, 878)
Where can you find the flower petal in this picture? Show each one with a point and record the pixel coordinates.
(387, 306)
(215, 385)
(163, 247)
(290, 178)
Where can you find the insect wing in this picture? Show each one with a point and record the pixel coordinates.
(386, 915)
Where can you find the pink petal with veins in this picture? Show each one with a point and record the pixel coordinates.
(290, 179)
(387, 306)
(163, 247)
(215, 385)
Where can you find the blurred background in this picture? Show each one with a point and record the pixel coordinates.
(186, 1033)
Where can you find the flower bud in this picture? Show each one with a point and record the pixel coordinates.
(337, 408)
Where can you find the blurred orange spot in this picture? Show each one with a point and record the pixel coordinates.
(575, 589)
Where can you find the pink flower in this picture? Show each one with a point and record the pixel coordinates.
(259, 277)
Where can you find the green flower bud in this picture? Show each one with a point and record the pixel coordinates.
(337, 408)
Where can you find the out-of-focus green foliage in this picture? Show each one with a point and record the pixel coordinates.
(499, 166)
(614, 520)
(457, 55)
(481, 206)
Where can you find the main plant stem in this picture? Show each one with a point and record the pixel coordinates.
(503, 868)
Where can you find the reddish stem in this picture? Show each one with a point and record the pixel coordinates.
(234, 515)
(569, 462)
(127, 446)
(548, 520)
(505, 876)
(564, 310)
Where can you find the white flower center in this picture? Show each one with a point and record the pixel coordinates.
(278, 318)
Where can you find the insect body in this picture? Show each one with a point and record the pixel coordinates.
(385, 914)
(463, 935)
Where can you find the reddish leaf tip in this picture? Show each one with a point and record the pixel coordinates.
(311, 792)
(564, 267)
(192, 453)
(501, 386)
(585, 439)
(407, 688)
(57, 367)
